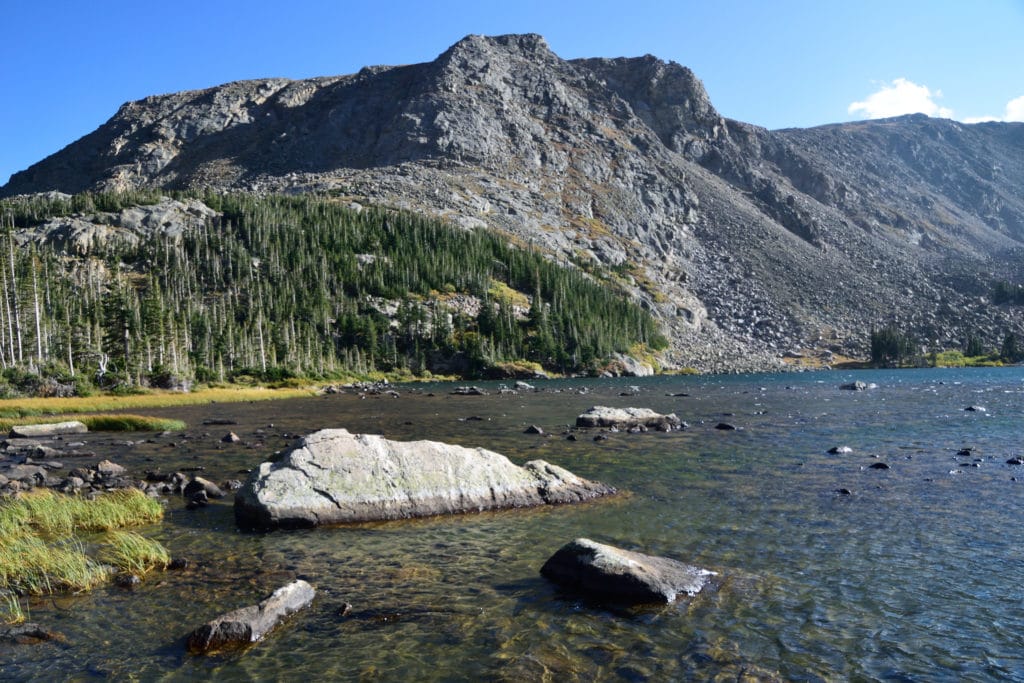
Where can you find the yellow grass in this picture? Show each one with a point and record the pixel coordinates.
(121, 422)
(31, 407)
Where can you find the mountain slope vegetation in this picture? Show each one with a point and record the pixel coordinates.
(276, 286)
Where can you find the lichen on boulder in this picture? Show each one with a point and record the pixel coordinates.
(333, 477)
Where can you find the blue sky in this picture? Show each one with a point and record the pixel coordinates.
(66, 66)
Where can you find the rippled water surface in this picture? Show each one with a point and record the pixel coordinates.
(913, 576)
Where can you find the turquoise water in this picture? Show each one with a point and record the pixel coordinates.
(913, 576)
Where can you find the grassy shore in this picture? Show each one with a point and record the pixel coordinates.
(121, 422)
(15, 409)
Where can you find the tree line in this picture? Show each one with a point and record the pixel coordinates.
(894, 347)
(279, 286)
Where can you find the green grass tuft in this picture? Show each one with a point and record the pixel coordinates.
(100, 423)
(41, 540)
(133, 553)
(11, 611)
(130, 423)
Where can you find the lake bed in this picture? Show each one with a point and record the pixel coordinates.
(912, 575)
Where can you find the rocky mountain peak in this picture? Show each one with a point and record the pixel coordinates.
(746, 242)
(668, 97)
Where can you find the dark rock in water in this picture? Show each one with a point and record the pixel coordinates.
(621, 575)
(1015, 461)
(179, 564)
(333, 476)
(571, 437)
(975, 409)
(878, 466)
(854, 386)
(725, 426)
(126, 580)
(248, 625)
(49, 429)
(965, 452)
(231, 437)
(197, 500)
(27, 634)
(219, 421)
(533, 429)
(199, 484)
(601, 437)
(844, 492)
(840, 450)
(625, 418)
(469, 391)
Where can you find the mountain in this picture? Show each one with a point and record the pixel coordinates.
(745, 243)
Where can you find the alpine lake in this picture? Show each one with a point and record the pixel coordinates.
(827, 569)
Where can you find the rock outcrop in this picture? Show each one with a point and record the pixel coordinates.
(248, 625)
(746, 243)
(48, 429)
(628, 418)
(333, 476)
(605, 571)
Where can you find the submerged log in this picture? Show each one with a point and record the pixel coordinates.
(248, 625)
(333, 477)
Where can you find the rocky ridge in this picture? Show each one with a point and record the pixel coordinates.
(747, 243)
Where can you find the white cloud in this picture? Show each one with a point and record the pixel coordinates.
(1015, 109)
(901, 97)
(1014, 112)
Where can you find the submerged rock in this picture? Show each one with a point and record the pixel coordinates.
(625, 418)
(249, 624)
(622, 575)
(27, 634)
(333, 476)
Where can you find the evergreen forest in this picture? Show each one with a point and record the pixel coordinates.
(277, 287)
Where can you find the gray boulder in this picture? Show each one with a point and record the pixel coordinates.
(333, 476)
(626, 418)
(628, 366)
(205, 485)
(49, 429)
(605, 571)
(249, 624)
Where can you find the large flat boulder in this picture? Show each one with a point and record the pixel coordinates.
(335, 477)
(48, 429)
(627, 418)
(250, 624)
(605, 571)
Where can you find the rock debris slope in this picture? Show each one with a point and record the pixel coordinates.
(747, 243)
